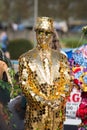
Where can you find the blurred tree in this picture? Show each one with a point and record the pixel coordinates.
(48, 8)
(21, 9)
(81, 8)
(15, 10)
(4, 9)
(63, 9)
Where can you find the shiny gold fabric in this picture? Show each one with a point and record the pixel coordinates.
(44, 23)
(46, 83)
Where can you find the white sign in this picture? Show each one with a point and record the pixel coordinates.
(72, 105)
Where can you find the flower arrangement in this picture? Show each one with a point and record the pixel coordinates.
(78, 65)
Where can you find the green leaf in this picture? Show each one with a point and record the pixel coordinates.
(14, 125)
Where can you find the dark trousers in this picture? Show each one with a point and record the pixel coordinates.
(70, 127)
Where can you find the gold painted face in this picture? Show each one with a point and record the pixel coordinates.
(43, 37)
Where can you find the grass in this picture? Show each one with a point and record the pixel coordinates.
(73, 41)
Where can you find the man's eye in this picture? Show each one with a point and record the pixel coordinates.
(48, 33)
(40, 32)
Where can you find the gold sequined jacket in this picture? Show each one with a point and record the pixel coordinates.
(46, 84)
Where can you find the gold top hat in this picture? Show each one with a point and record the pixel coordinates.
(44, 23)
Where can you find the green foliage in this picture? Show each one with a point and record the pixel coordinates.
(14, 126)
(15, 89)
(19, 46)
(73, 42)
(5, 85)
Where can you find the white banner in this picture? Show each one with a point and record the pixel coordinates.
(71, 107)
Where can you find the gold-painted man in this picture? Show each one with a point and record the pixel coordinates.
(45, 81)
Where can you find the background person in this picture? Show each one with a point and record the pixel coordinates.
(4, 43)
(55, 44)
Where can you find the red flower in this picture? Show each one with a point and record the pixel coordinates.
(76, 81)
(82, 106)
(84, 121)
(77, 69)
(80, 113)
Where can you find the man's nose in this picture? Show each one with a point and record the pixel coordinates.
(43, 34)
